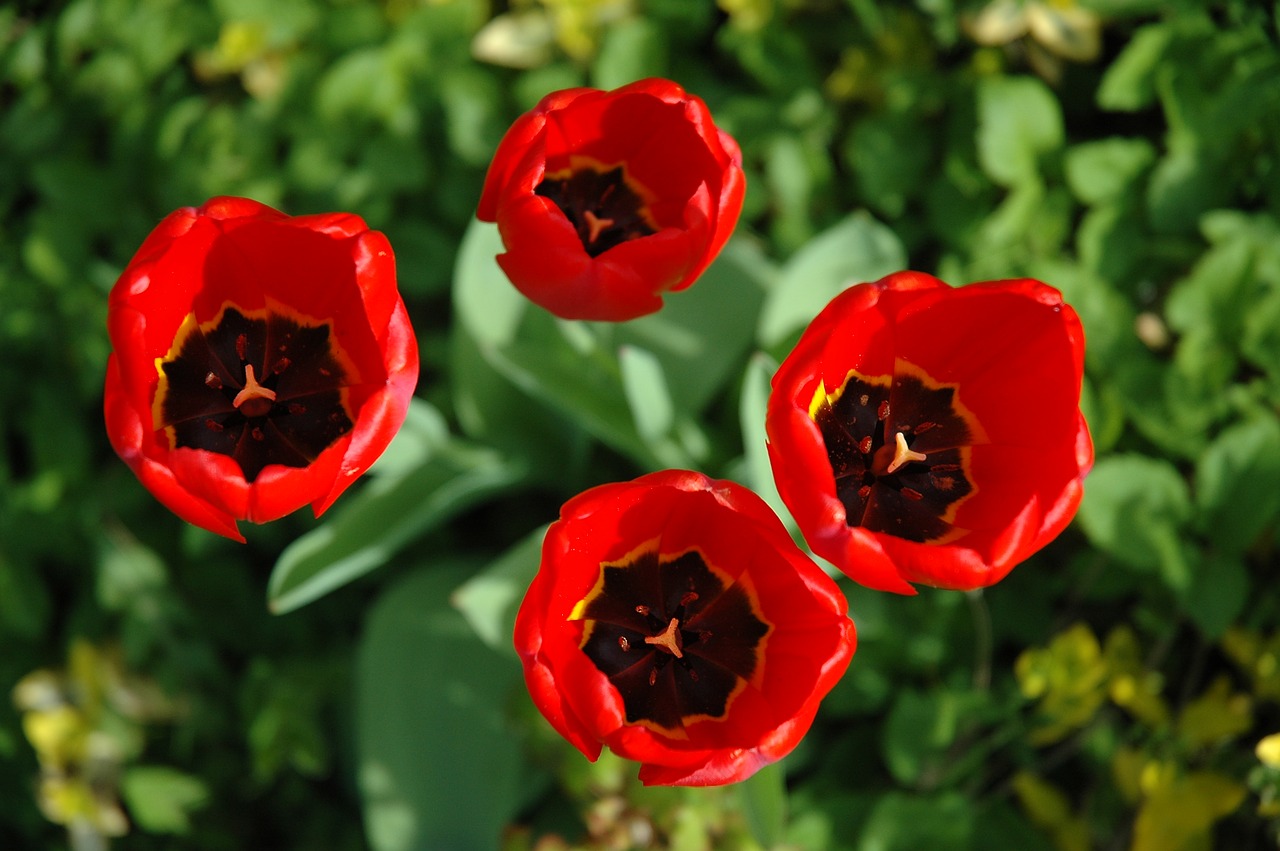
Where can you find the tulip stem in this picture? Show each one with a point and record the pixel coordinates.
(982, 642)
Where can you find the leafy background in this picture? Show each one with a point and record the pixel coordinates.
(349, 683)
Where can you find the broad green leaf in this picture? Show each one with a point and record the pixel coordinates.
(161, 800)
(439, 764)
(575, 368)
(1186, 183)
(1019, 121)
(901, 822)
(632, 49)
(1218, 288)
(763, 799)
(890, 159)
(646, 389)
(1130, 81)
(703, 333)
(487, 303)
(751, 417)
(1238, 483)
(1218, 593)
(1134, 508)
(1104, 170)
(475, 126)
(921, 727)
(368, 528)
(856, 250)
(489, 600)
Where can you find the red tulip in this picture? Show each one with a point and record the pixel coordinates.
(607, 200)
(261, 361)
(924, 434)
(674, 620)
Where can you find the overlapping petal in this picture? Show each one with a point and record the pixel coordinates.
(326, 272)
(685, 173)
(997, 366)
(772, 617)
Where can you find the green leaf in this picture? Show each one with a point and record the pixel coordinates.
(890, 159)
(1129, 84)
(1238, 484)
(487, 304)
(753, 406)
(439, 764)
(632, 49)
(763, 799)
(160, 799)
(698, 340)
(702, 334)
(1106, 169)
(489, 600)
(1019, 120)
(901, 822)
(1134, 508)
(1216, 291)
(647, 394)
(858, 249)
(920, 729)
(369, 527)
(1218, 593)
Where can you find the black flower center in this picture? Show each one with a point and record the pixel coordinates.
(604, 208)
(898, 448)
(263, 388)
(676, 637)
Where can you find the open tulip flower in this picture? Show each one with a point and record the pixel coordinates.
(674, 620)
(607, 200)
(926, 434)
(261, 361)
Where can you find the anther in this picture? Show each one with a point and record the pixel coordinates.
(242, 345)
(688, 598)
(864, 445)
(882, 412)
(642, 610)
(623, 643)
(257, 434)
(903, 454)
(213, 382)
(653, 676)
(295, 408)
(281, 365)
(911, 493)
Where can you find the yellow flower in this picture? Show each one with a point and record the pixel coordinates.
(1048, 809)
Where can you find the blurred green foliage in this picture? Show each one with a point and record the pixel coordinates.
(1122, 150)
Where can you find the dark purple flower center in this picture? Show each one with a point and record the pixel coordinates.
(898, 449)
(603, 207)
(262, 388)
(677, 638)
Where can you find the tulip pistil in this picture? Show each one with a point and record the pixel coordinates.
(262, 387)
(675, 636)
(603, 206)
(899, 449)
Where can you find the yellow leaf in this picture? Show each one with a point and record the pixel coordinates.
(1215, 716)
(1179, 815)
